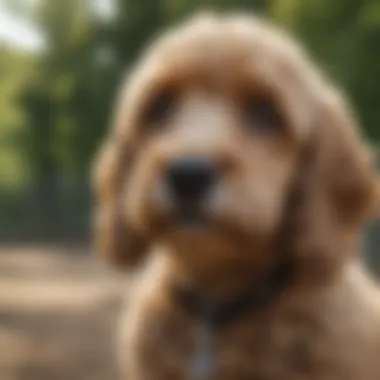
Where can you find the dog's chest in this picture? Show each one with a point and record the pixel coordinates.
(173, 349)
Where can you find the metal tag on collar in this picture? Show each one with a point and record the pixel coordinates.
(202, 362)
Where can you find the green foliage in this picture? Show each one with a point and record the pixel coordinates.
(15, 69)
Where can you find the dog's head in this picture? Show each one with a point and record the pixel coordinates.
(225, 138)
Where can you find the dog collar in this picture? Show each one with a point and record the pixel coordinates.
(211, 315)
(221, 313)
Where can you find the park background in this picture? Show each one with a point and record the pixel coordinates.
(60, 64)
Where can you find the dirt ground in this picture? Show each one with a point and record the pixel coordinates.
(58, 315)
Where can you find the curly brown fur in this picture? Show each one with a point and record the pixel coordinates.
(296, 184)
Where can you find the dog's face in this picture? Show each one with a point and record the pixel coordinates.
(215, 121)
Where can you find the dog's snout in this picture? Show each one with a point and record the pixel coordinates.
(189, 178)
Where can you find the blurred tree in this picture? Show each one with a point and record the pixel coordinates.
(15, 70)
(54, 128)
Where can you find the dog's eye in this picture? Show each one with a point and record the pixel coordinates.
(261, 113)
(160, 107)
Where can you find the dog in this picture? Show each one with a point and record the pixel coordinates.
(235, 179)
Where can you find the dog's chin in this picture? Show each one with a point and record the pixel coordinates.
(196, 222)
(183, 220)
(198, 231)
(189, 224)
(190, 218)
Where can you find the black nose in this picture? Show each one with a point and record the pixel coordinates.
(189, 178)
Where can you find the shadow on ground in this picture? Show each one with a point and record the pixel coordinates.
(58, 315)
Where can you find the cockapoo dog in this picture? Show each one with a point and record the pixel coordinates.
(236, 165)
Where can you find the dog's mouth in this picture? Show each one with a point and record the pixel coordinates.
(189, 216)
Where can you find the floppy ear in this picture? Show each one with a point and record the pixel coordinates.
(335, 192)
(113, 237)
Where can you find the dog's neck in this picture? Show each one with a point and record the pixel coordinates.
(219, 272)
(244, 297)
(219, 282)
